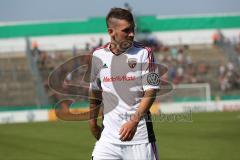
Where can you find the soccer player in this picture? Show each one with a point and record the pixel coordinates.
(125, 80)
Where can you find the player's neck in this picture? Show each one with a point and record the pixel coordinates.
(115, 49)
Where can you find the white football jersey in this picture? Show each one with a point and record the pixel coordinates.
(123, 79)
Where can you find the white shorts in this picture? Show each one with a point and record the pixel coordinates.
(109, 151)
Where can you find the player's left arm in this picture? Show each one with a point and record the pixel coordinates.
(129, 128)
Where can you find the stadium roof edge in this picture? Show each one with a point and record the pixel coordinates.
(198, 15)
(13, 23)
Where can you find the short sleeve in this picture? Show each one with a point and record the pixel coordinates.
(150, 74)
(95, 82)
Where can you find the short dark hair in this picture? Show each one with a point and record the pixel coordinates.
(119, 13)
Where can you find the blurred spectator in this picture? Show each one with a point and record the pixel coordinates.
(42, 59)
(192, 78)
(160, 57)
(217, 37)
(179, 76)
(74, 51)
(222, 70)
(224, 83)
(100, 42)
(174, 52)
(153, 43)
(87, 47)
(229, 77)
(189, 60)
(35, 51)
(171, 72)
(230, 66)
(180, 56)
(128, 7)
(202, 68)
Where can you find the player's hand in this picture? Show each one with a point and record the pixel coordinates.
(128, 130)
(96, 130)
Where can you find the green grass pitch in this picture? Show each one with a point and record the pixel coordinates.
(210, 136)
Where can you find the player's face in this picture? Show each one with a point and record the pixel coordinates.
(122, 31)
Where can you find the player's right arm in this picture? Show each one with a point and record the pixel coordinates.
(95, 97)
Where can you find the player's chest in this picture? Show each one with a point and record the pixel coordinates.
(120, 68)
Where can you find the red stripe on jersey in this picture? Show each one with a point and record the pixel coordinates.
(102, 47)
(151, 60)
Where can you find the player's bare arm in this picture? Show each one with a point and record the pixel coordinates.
(95, 101)
(129, 128)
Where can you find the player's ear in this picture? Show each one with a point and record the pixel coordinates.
(111, 31)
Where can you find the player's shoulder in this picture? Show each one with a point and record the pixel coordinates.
(144, 50)
(141, 46)
(101, 49)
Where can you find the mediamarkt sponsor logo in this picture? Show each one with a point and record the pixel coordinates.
(119, 78)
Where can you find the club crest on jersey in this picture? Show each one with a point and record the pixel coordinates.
(132, 62)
